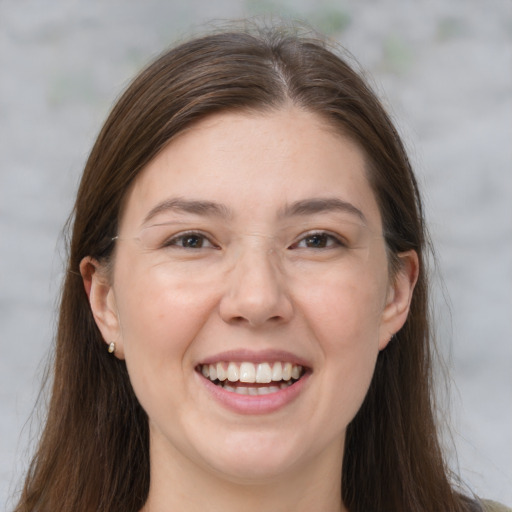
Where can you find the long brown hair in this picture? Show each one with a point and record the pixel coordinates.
(94, 451)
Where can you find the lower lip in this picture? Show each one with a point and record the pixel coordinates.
(255, 404)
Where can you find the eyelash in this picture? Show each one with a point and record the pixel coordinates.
(174, 241)
(329, 239)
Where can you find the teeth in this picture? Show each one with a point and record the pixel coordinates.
(261, 373)
(277, 372)
(287, 371)
(233, 372)
(267, 390)
(280, 374)
(295, 372)
(264, 373)
(255, 391)
(246, 390)
(247, 372)
(221, 372)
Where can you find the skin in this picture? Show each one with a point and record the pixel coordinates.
(259, 282)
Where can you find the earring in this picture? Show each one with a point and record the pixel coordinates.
(111, 348)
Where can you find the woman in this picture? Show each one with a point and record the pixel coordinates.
(244, 320)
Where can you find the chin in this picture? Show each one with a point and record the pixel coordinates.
(254, 459)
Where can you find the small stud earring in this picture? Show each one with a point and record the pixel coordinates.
(111, 348)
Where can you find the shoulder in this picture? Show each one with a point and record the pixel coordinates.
(493, 506)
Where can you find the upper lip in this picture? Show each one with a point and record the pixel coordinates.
(251, 356)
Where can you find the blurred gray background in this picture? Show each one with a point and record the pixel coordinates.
(443, 69)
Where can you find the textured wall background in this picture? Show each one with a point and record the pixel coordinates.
(443, 68)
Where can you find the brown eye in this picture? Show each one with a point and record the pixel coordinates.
(190, 241)
(317, 241)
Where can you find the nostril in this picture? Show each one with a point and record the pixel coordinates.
(253, 299)
(251, 321)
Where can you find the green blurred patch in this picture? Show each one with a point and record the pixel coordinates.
(70, 88)
(449, 28)
(398, 55)
(268, 7)
(331, 21)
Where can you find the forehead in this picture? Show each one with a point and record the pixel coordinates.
(255, 163)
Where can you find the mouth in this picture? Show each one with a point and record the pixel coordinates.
(246, 378)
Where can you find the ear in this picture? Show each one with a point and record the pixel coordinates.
(102, 301)
(399, 297)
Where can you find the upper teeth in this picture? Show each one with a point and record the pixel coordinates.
(248, 372)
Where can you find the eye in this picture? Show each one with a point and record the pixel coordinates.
(191, 240)
(320, 240)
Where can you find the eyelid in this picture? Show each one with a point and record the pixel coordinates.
(171, 241)
(338, 239)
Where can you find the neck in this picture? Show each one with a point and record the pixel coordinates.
(181, 485)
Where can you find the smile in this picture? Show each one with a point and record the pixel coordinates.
(236, 377)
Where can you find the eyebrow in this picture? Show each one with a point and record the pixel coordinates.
(210, 208)
(321, 205)
(181, 205)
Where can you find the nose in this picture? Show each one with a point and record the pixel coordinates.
(256, 291)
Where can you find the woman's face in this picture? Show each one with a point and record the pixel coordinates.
(250, 294)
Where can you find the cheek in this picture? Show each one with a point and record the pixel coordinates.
(348, 329)
(160, 318)
(343, 315)
(160, 313)
(344, 307)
